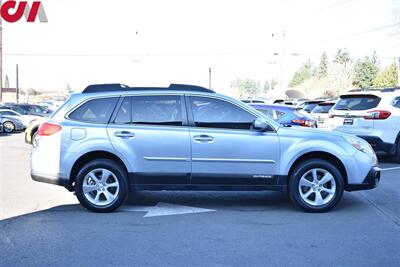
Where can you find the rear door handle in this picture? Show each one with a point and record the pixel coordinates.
(124, 134)
(203, 138)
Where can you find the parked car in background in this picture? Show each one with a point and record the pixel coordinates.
(372, 115)
(321, 114)
(11, 124)
(286, 115)
(30, 109)
(111, 140)
(26, 119)
(309, 105)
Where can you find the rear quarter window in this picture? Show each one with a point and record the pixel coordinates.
(95, 110)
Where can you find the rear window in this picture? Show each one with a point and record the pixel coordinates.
(309, 106)
(95, 111)
(357, 102)
(322, 108)
(302, 114)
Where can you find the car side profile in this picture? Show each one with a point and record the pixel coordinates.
(111, 140)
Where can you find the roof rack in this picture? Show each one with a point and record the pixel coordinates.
(100, 88)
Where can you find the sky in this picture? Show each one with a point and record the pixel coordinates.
(156, 42)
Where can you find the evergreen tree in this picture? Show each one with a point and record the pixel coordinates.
(387, 77)
(365, 71)
(323, 66)
(302, 74)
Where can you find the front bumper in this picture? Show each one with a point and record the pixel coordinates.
(378, 144)
(371, 181)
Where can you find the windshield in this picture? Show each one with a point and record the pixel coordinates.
(322, 108)
(357, 102)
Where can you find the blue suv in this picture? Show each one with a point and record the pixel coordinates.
(111, 140)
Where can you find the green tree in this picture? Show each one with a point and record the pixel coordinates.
(342, 57)
(247, 86)
(302, 74)
(323, 66)
(274, 83)
(365, 71)
(387, 77)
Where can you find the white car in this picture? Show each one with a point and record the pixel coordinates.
(321, 114)
(372, 115)
(26, 119)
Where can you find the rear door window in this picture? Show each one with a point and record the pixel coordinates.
(357, 102)
(157, 110)
(95, 111)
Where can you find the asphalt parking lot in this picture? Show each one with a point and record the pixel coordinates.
(42, 225)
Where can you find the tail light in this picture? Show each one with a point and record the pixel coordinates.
(378, 115)
(305, 123)
(46, 129)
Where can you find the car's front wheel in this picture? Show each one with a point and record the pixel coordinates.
(101, 185)
(316, 185)
(8, 127)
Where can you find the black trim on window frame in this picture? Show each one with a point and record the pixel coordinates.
(183, 110)
(193, 124)
(90, 99)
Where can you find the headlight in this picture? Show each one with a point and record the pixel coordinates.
(360, 145)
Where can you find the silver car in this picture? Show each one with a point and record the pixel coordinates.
(11, 124)
(111, 140)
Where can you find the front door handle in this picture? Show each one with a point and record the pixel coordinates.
(203, 138)
(124, 134)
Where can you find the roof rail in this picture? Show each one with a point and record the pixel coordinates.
(390, 89)
(100, 88)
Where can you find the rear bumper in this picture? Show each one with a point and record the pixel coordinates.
(52, 180)
(371, 181)
(378, 144)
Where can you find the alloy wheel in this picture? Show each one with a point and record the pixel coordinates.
(317, 187)
(100, 187)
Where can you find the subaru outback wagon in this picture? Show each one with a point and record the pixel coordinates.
(111, 140)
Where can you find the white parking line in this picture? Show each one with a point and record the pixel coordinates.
(390, 169)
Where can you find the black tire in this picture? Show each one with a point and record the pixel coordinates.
(396, 156)
(304, 167)
(119, 173)
(33, 139)
(8, 127)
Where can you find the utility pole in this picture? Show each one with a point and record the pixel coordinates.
(209, 78)
(17, 84)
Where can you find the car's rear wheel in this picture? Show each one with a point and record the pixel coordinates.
(316, 185)
(396, 156)
(101, 185)
(34, 139)
(8, 127)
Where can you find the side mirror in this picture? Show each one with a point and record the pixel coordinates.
(261, 125)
